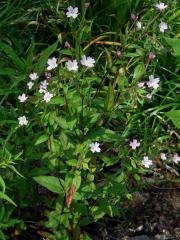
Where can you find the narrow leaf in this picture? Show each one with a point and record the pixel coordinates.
(44, 57)
(5, 197)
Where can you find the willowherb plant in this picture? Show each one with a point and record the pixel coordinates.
(90, 117)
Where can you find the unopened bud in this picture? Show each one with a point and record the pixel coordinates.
(151, 56)
(67, 45)
(119, 54)
(87, 5)
(134, 17)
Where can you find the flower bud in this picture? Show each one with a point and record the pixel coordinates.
(119, 54)
(151, 56)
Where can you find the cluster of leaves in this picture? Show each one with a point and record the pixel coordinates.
(102, 104)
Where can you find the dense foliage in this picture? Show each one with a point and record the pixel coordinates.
(89, 109)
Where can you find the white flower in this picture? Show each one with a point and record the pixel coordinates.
(30, 84)
(176, 158)
(33, 76)
(72, 12)
(139, 24)
(141, 85)
(72, 65)
(161, 6)
(94, 147)
(87, 61)
(134, 144)
(153, 82)
(146, 162)
(163, 26)
(22, 121)
(43, 86)
(163, 156)
(22, 98)
(52, 62)
(47, 96)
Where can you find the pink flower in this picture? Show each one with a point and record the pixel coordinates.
(47, 96)
(149, 96)
(139, 25)
(33, 76)
(43, 86)
(87, 5)
(30, 84)
(151, 56)
(146, 162)
(141, 85)
(176, 158)
(134, 17)
(72, 12)
(161, 6)
(163, 26)
(67, 45)
(22, 98)
(48, 75)
(163, 156)
(87, 61)
(22, 121)
(119, 54)
(153, 82)
(134, 144)
(94, 147)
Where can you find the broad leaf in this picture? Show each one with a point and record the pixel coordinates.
(175, 44)
(139, 71)
(174, 116)
(41, 139)
(50, 182)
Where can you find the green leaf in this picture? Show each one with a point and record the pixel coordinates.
(50, 182)
(175, 44)
(106, 207)
(38, 171)
(72, 162)
(29, 58)
(77, 179)
(41, 139)
(139, 71)
(174, 116)
(44, 57)
(12, 55)
(109, 161)
(7, 71)
(174, 15)
(5, 197)
(57, 101)
(103, 134)
(15, 170)
(2, 183)
(97, 213)
(109, 101)
(2, 236)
